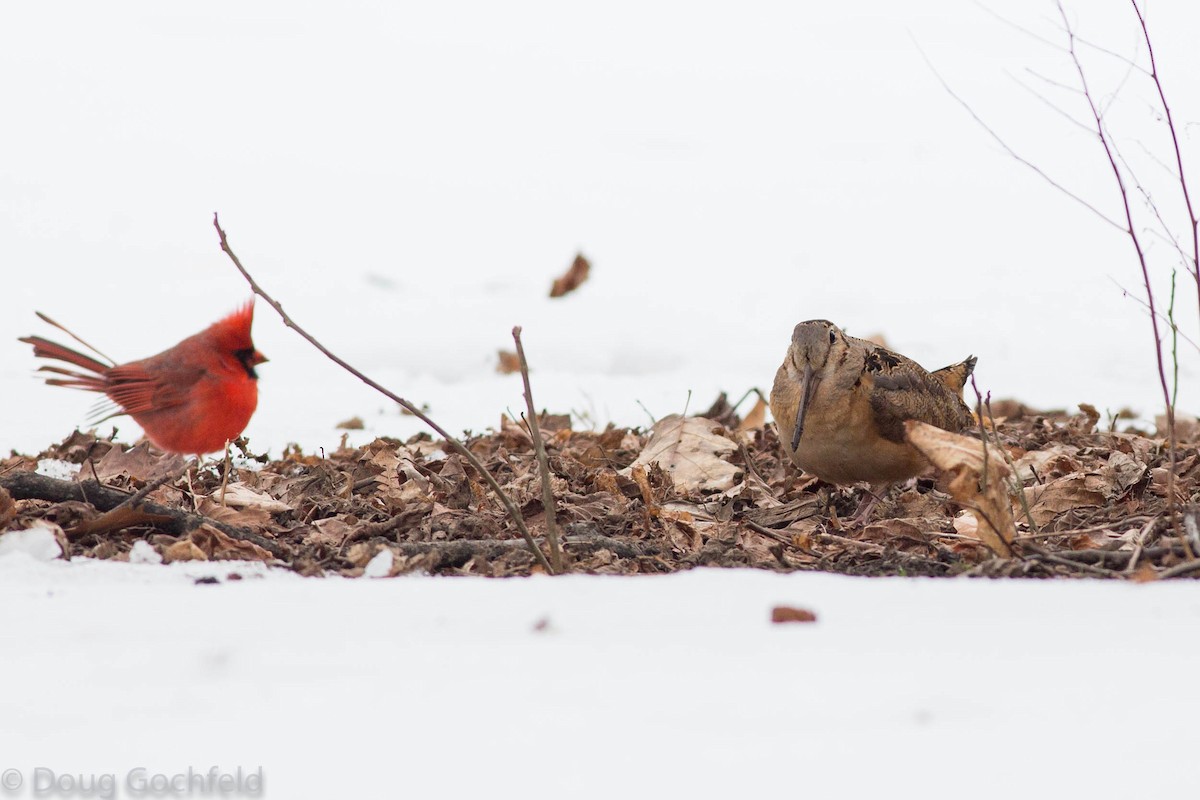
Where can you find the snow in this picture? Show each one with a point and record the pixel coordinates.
(408, 179)
(380, 565)
(603, 687)
(57, 468)
(143, 553)
(37, 542)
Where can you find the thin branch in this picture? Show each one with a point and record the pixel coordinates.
(1144, 305)
(539, 447)
(1183, 184)
(1051, 104)
(1135, 240)
(1055, 45)
(455, 445)
(1008, 149)
(1051, 82)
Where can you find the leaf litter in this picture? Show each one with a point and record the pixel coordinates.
(1054, 496)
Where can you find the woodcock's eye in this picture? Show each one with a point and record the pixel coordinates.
(832, 336)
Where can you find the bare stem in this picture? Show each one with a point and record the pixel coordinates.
(539, 447)
(1180, 174)
(513, 512)
(1130, 230)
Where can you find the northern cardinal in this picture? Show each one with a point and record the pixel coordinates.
(192, 398)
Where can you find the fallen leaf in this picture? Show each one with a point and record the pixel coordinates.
(690, 450)
(756, 418)
(1087, 419)
(239, 495)
(352, 424)
(572, 278)
(975, 480)
(1052, 462)
(781, 614)
(183, 550)
(8, 508)
(1077, 490)
(1145, 573)
(137, 463)
(1123, 473)
(509, 362)
(217, 545)
(330, 532)
(885, 529)
(251, 518)
(967, 524)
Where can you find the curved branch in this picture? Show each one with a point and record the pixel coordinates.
(513, 512)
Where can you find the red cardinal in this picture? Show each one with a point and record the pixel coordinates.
(192, 398)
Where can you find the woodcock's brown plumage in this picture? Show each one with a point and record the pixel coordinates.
(840, 404)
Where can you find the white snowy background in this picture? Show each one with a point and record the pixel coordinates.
(407, 179)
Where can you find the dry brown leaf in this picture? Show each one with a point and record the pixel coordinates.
(1145, 573)
(638, 473)
(967, 524)
(1087, 419)
(508, 363)
(690, 449)
(781, 614)
(885, 529)
(330, 532)
(572, 278)
(137, 463)
(1053, 461)
(183, 550)
(756, 418)
(963, 458)
(239, 495)
(1077, 490)
(1123, 473)
(256, 519)
(217, 545)
(8, 508)
(352, 424)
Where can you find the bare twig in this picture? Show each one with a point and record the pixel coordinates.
(1130, 230)
(996, 137)
(1042, 555)
(1180, 174)
(539, 447)
(513, 512)
(1186, 568)
(137, 497)
(1161, 316)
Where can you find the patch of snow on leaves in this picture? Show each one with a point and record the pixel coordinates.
(57, 468)
(380, 565)
(38, 542)
(143, 553)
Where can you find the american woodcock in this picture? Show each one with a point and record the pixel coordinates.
(840, 404)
